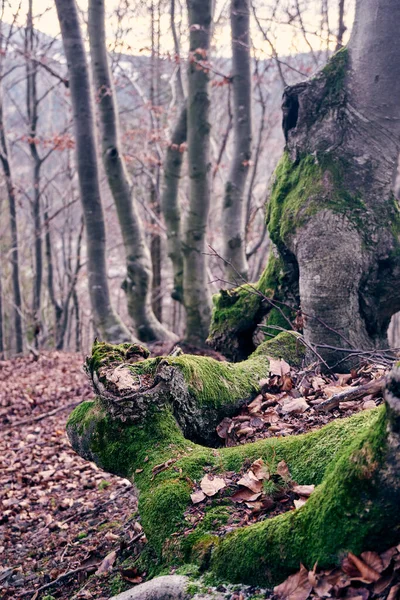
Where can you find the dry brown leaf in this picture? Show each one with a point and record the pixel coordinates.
(387, 556)
(197, 496)
(294, 406)
(275, 367)
(283, 470)
(107, 564)
(299, 503)
(212, 485)
(296, 587)
(259, 469)
(224, 428)
(394, 592)
(304, 490)
(245, 495)
(255, 405)
(250, 481)
(384, 582)
(131, 575)
(285, 368)
(373, 560)
(368, 574)
(368, 405)
(271, 415)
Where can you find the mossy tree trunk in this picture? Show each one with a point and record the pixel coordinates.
(152, 413)
(332, 213)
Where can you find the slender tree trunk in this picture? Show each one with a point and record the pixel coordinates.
(33, 117)
(14, 253)
(138, 283)
(195, 290)
(341, 26)
(170, 201)
(75, 299)
(106, 320)
(234, 209)
(50, 279)
(1, 316)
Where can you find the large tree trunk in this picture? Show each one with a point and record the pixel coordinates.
(196, 296)
(233, 212)
(332, 213)
(150, 417)
(138, 283)
(106, 321)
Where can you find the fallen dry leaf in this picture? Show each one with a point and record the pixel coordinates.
(250, 481)
(299, 503)
(259, 469)
(283, 470)
(295, 406)
(367, 573)
(107, 564)
(304, 490)
(212, 485)
(296, 587)
(198, 496)
(245, 495)
(394, 592)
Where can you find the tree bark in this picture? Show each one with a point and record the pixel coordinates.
(170, 201)
(14, 253)
(196, 297)
(33, 117)
(332, 213)
(138, 282)
(106, 321)
(149, 418)
(233, 212)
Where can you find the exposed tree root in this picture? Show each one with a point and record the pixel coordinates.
(355, 463)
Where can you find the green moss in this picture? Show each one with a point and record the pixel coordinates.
(334, 74)
(81, 416)
(239, 310)
(304, 187)
(343, 514)
(104, 354)
(215, 383)
(284, 345)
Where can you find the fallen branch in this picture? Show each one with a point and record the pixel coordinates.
(44, 415)
(371, 388)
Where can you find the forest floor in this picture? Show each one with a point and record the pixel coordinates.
(66, 527)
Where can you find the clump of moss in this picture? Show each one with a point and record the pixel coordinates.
(104, 354)
(334, 73)
(303, 187)
(284, 345)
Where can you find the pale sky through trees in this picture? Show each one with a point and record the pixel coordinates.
(286, 39)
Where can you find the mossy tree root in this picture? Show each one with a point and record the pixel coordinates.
(201, 391)
(237, 312)
(355, 464)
